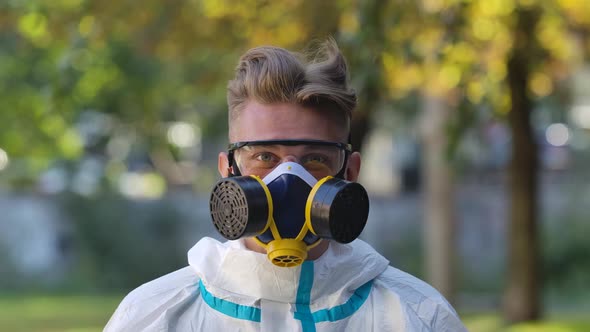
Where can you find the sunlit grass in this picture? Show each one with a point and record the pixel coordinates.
(71, 313)
(493, 323)
(89, 313)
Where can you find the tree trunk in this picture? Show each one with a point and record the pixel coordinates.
(439, 217)
(521, 297)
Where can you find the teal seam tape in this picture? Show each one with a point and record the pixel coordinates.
(303, 298)
(229, 308)
(346, 309)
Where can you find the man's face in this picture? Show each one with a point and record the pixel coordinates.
(286, 122)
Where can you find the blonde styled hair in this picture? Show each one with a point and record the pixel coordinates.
(269, 74)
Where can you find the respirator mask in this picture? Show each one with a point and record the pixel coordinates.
(289, 211)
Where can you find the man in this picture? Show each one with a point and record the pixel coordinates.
(289, 125)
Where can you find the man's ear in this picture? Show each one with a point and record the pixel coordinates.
(223, 164)
(354, 167)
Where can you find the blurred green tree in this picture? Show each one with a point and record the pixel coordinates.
(508, 54)
(142, 66)
(169, 61)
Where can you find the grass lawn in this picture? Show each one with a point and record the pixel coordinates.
(89, 313)
(493, 323)
(52, 313)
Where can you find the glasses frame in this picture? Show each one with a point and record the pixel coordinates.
(231, 147)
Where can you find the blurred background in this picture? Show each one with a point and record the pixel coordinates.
(473, 122)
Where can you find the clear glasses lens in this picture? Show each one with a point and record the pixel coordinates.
(320, 161)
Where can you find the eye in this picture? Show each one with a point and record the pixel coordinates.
(266, 157)
(315, 158)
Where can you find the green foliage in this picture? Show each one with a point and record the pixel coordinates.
(406, 252)
(567, 253)
(61, 58)
(9, 276)
(122, 244)
(166, 62)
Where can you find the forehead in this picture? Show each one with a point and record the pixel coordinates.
(257, 121)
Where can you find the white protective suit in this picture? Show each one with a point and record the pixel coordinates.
(229, 288)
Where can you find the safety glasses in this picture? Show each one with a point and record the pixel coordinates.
(320, 158)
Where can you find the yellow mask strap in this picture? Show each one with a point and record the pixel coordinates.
(269, 222)
(309, 204)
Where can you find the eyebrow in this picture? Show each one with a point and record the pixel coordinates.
(279, 148)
